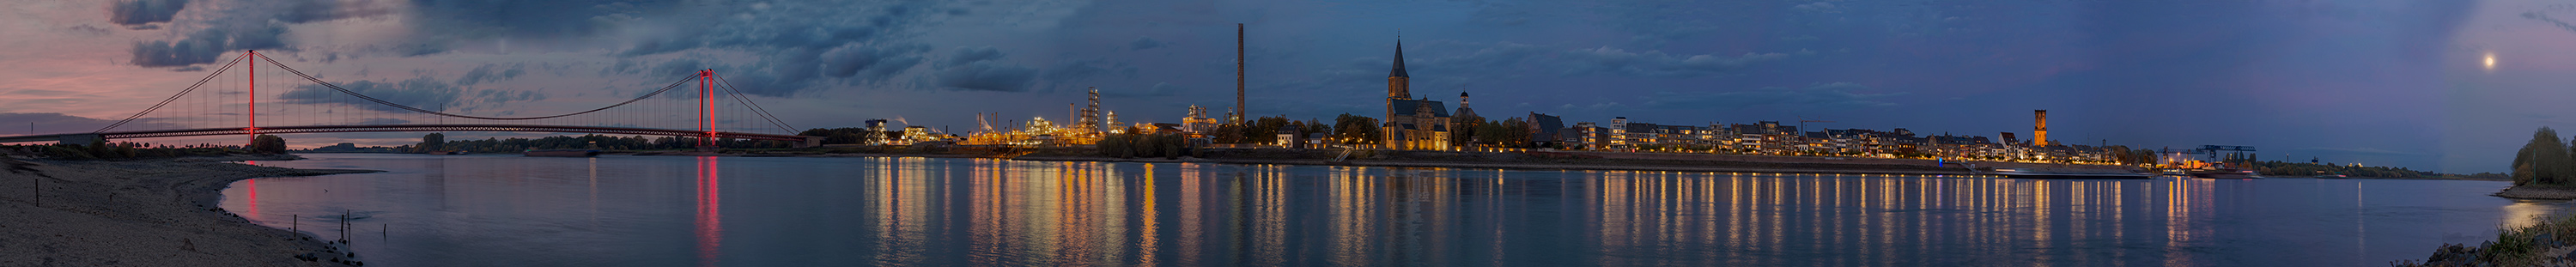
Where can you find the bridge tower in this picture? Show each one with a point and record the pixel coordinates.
(706, 109)
(253, 127)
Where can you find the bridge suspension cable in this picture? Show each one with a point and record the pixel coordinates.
(164, 102)
(755, 107)
(272, 61)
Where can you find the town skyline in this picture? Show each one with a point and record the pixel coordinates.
(2309, 87)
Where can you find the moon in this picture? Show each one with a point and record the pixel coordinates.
(2490, 61)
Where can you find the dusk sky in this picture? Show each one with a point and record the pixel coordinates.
(2379, 82)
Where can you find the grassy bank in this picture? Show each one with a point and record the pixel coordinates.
(2548, 243)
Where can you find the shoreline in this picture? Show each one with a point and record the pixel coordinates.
(153, 212)
(2530, 192)
(1506, 166)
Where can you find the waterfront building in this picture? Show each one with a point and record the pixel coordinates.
(1197, 123)
(1411, 124)
(1544, 129)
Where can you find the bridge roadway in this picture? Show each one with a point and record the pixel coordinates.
(802, 141)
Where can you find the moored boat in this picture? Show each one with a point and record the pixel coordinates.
(2224, 173)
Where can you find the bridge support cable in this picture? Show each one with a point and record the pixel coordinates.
(755, 107)
(335, 87)
(164, 102)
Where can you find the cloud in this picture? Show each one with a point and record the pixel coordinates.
(1657, 64)
(423, 92)
(1830, 95)
(1816, 7)
(383, 121)
(486, 73)
(1143, 43)
(2359, 150)
(1086, 69)
(303, 11)
(871, 64)
(981, 69)
(2536, 15)
(490, 96)
(138, 12)
(205, 45)
(1159, 89)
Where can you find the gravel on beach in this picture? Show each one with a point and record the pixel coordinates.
(159, 212)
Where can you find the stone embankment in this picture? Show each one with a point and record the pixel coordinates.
(2538, 192)
(159, 212)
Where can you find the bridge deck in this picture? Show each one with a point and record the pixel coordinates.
(404, 128)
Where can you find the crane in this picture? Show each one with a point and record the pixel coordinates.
(1802, 123)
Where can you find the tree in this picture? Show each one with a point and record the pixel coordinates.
(1264, 130)
(1463, 133)
(1355, 129)
(433, 142)
(268, 144)
(2544, 160)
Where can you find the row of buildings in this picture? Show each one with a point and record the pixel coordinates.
(1416, 123)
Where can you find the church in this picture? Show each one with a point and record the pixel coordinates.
(1412, 124)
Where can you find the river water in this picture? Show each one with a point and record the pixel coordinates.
(498, 210)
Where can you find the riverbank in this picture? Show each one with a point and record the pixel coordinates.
(2552, 242)
(159, 212)
(1513, 166)
(2536, 192)
(1611, 161)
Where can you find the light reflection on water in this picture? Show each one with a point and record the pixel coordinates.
(719, 211)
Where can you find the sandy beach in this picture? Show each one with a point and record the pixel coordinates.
(158, 212)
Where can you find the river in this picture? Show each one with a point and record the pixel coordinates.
(507, 210)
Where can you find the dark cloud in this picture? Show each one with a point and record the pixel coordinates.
(302, 11)
(487, 73)
(2536, 15)
(981, 69)
(205, 46)
(813, 26)
(86, 29)
(423, 92)
(383, 121)
(1086, 69)
(1841, 95)
(1657, 64)
(871, 63)
(138, 12)
(496, 97)
(1159, 89)
(1143, 43)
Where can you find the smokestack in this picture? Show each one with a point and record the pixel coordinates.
(1239, 109)
(2039, 128)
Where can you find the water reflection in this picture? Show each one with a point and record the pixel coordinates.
(710, 215)
(917, 211)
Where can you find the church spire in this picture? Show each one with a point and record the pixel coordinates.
(1399, 60)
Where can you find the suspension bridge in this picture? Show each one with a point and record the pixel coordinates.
(296, 102)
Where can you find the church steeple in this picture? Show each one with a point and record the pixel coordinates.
(1399, 60)
(1397, 82)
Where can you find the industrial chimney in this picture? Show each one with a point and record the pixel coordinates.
(1239, 110)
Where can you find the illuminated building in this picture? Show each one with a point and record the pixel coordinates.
(1411, 124)
(2039, 128)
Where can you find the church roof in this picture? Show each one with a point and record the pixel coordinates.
(1399, 61)
(1406, 107)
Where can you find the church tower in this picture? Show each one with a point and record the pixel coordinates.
(1397, 83)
